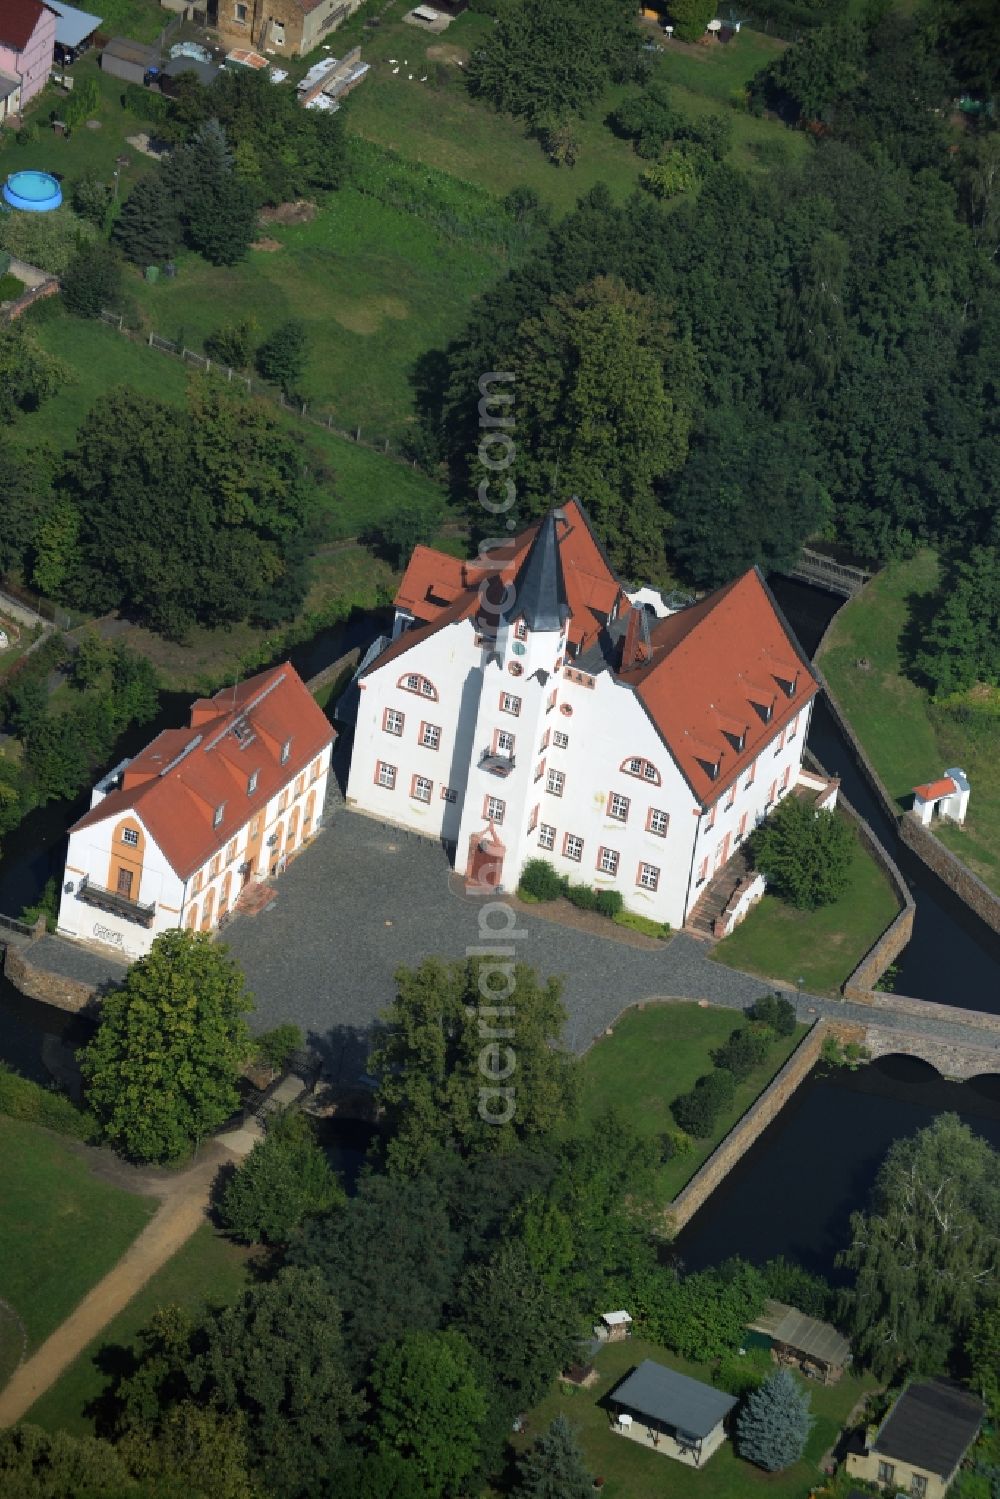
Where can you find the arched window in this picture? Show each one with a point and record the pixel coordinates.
(643, 770)
(412, 682)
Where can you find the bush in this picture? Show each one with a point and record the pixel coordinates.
(644, 924)
(740, 1375)
(20, 1098)
(609, 903)
(745, 1050)
(92, 281)
(285, 1178)
(48, 240)
(275, 1047)
(581, 896)
(774, 1011)
(696, 1112)
(10, 287)
(282, 357)
(232, 344)
(540, 880)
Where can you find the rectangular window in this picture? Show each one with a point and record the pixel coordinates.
(385, 776)
(430, 736)
(553, 697)
(421, 788)
(554, 782)
(649, 876)
(731, 798)
(494, 808)
(283, 800)
(521, 630)
(300, 785)
(780, 744)
(702, 871)
(533, 819)
(711, 816)
(618, 807)
(786, 776)
(255, 827)
(231, 852)
(314, 769)
(449, 794)
(918, 1486)
(196, 883)
(286, 750)
(572, 847)
(252, 782)
(657, 822)
(539, 770)
(509, 703)
(607, 860)
(503, 742)
(393, 721)
(793, 727)
(131, 837)
(546, 835)
(750, 775)
(545, 741)
(886, 1472)
(741, 831)
(240, 12)
(215, 866)
(772, 793)
(560, 740)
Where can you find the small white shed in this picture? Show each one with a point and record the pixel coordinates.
(949, 797)
(613, 1327)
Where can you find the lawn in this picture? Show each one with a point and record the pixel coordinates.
(907, 738)
(207, 1270)
(654, 1055)
(815, 950)
(438, 123)
(85, 152)
(635, 1472)
(61, 1229)
(375, 288)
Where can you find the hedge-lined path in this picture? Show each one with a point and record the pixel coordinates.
(185, 1198)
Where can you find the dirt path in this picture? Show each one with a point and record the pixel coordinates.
(184, 1201)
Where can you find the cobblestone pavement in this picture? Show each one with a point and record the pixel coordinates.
(73, 961)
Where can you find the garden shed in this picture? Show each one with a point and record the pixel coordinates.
(128, 60)
(816, 1348)
(74, 31)
(670, 1412)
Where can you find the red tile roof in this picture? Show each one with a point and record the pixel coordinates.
(934, 789)
(179, 780)
(18, 19)
(725, 664)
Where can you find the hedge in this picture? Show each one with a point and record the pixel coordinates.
(20, 1098)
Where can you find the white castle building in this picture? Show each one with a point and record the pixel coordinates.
(529, 707)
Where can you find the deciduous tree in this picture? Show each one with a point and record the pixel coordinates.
(161, 1070)
(28, 373)
(961, 644)
(285, 1179)
(806, 855)
(281, 358)
(430, 1407)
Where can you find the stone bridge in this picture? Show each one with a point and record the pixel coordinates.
(957, 1060)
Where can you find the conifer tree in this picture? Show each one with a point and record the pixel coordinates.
(554, 1467)
(774, 1425)
(148, 230)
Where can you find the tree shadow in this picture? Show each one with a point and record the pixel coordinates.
(921, 610)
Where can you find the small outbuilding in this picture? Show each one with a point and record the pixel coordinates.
(948, 797)
(815, 1348)
(670, 1412)
(131, 61)
(920, 1444)
(74, 31)
(613, 1327)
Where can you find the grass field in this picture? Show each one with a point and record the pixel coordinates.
(207, 1270)
(814, 949)
(61, 1228)
(658, 1053)
(85, 152)
(907, 738)
(635, 1472)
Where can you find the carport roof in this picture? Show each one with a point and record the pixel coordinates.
(678, 1401)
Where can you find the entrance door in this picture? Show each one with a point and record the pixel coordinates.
(125, 883)
(484, 870)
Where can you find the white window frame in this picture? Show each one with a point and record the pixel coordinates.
(546, 835)
(654, 813)
(608, 860)
(573, 847)
(430, 736)
(417, 789)
(131, 837)
(618, 806)
(503, 742)
(648, 877)
(385, 775)
(494, 808)
(510, 703)
(393, 722)
(560, 740)
(252, 782)
(555, 783)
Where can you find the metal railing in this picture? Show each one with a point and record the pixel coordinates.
(115, 902)
(496, 762)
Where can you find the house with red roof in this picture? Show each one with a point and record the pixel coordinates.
(529, 706)
(174, 836)
(27, 45)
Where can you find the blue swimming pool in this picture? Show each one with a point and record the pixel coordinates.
(34, 192)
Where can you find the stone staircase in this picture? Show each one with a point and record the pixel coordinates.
(716, 896)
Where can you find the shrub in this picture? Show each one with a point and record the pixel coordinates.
(92, 280)
(696, 1112)
(774, 1011)
(745, 1050)
(48, 240)
(540, 880)
(20, 1098)
(609, 903)
(285, 1178)
(10, 287)
(275, 1047)
(582, 896)
(282, 357)
(232, 344)
(741, 1374)
(644, 924)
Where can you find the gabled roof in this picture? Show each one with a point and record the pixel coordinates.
(665, 1395)
(18, 19)
(931, 790)
(72, 26)
(932, 1425)
(176, 784)
(819, 1340)
(728, 661)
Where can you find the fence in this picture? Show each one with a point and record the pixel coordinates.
(254, 387)
(30, 609)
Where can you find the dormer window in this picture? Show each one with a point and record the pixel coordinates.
(252, 782)
(286, 750)
(219, 814)
(521, 630)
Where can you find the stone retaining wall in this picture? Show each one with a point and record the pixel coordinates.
(742, 1135)
(927, 1009)
(28, 298)
(332, 672)
(50, 988)
(949, 868)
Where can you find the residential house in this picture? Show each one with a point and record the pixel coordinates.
(528, 706)
(27, 44)
(289, 27)
(175, 835)
(920, 1444)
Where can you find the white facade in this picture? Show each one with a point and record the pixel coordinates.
(510, 752)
